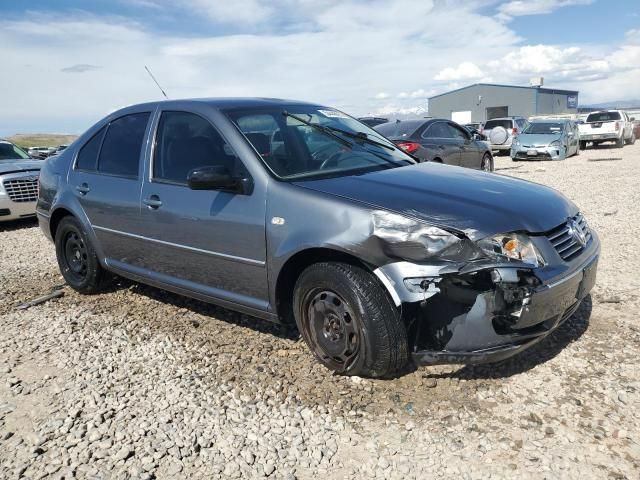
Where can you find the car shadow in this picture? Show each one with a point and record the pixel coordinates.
(20, 224)
(208, 309)
(543, 351)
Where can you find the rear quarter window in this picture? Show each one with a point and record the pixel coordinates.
(88, 155)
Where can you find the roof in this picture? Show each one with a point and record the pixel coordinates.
(539, 89)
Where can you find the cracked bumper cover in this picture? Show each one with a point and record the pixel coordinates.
(486, 328)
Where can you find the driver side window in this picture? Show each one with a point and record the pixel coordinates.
(185, 141)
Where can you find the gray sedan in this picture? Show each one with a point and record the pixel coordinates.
(441, 141)
(547, 140)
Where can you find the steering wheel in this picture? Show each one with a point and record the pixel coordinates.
(331, 158)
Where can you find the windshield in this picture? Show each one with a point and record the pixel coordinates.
(303, 142)
(9, 151)
(399, 129)
(544, 128)
(603, 117)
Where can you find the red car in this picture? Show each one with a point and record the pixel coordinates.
(636, 129)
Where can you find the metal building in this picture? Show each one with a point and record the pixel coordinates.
(483, 101)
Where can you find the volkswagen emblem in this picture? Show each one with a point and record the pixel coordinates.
(577, 232)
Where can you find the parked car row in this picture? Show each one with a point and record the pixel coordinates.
(298, 213)
(44, 152)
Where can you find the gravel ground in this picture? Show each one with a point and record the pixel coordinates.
(140, 383)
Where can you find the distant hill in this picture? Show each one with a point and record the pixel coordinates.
(615, 104)
(26, 140)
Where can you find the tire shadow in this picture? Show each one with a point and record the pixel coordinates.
(547, 349)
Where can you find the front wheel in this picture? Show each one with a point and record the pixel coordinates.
(487, 163)
(349, 321)
(77, 259)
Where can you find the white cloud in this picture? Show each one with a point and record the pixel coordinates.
(518, 8)
(464, 71)
(340, 53)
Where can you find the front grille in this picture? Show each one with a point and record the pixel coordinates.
(539, 156)
(22, 189)
(566, 241)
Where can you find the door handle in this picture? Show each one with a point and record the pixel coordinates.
(153, 202)
(83, 189)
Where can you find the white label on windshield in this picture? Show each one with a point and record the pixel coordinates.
(333, 114)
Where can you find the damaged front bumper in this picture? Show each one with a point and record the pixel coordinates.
(484, 313)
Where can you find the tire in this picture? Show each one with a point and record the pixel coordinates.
(348, 321)
(487, 163)
(620, 142)
(583, 145)
(632, 140)
(77, 258)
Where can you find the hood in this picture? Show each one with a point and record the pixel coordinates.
(18, 165)
(540, 139)
(475, 202)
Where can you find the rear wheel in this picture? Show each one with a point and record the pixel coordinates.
(583, 145)
(77, 259)
(620, 142)
(348, 320)
(632, 140)
(487, 163)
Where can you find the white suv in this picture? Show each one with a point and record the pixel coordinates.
(501, 131)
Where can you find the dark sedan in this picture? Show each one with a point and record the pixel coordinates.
(439, 140)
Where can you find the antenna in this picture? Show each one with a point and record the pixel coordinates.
(154, 79)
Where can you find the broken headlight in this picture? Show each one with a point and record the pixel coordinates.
(410, 239)
(512, 246)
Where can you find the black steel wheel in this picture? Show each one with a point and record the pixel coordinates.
(77, 259)
(349, 321)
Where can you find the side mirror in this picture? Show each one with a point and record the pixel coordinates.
(218, 178)
(632, 119)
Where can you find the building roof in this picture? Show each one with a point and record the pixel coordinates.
(540, 89)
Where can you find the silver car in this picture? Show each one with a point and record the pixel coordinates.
(547, 140)
(18, 182)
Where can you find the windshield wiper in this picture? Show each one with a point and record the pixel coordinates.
(360, 136)
(320, 128)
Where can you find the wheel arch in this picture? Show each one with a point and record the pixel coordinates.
(295, 265)
(56, 217)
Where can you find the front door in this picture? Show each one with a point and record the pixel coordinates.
(106, 178)
(439, 140)
(470, 154)
(207, 241)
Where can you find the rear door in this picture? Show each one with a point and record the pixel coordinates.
(206, 241)
(439, 140)
(106, 178)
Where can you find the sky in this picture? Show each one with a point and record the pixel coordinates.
(68, 63)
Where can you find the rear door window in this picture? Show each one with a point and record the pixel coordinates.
(88, 155)
(438, 130)
(120, 152)
(186, 141)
